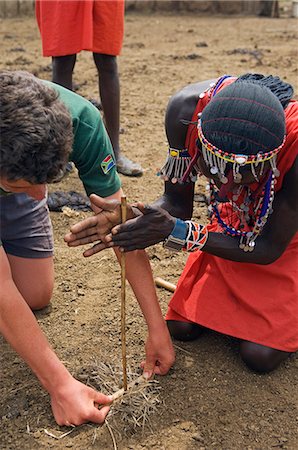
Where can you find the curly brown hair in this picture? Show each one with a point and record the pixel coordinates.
(36, 129)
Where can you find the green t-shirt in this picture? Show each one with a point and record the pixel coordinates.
(92, 151)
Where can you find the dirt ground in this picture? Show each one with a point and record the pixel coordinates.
(209, 400)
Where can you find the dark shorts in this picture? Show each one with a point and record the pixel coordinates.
(25, 226)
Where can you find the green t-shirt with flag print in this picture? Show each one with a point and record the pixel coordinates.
(92, 152)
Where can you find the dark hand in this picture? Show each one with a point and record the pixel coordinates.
(153, 226)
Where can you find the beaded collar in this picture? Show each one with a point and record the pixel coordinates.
(252, 211)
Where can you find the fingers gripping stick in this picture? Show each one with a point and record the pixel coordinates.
(123, 298)
(139, 381)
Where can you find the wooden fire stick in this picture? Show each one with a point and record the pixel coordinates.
(123, 299)
(160, 282)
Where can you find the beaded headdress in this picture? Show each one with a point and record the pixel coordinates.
(229, 111)
(216, 160)
(243, 127)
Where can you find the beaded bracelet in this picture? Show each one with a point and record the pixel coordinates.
(196, 237)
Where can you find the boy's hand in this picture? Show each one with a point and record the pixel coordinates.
(152, 226)
(75, 403)
(160, 355)
(95, 229)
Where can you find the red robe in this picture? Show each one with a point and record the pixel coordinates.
(67, 27)
(258, 303)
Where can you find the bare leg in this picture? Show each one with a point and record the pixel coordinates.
(261, 358)
(184, 331)
(62, 70)
(109, 89)
(34, 279)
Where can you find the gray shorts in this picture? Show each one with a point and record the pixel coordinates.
(25, 226)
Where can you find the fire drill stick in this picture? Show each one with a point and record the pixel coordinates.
(123, 300)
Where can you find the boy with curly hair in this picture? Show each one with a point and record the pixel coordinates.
(42, 126)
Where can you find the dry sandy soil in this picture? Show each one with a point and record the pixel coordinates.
(209, 400)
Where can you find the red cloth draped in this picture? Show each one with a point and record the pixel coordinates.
(248, 301)
(67, 27)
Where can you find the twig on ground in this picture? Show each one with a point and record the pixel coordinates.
(61, 435)
(160, 282)
(182, 349)
(112, 435)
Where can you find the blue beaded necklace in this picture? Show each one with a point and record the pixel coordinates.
(247, 238)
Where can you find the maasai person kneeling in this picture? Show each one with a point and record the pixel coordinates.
(241, 277)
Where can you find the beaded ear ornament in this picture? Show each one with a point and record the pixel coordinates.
(217, 160)
(180, 167)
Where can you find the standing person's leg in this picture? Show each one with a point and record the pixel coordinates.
(62, 74)
(63, 69)
(109, 89)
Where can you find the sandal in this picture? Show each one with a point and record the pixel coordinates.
(128, 167)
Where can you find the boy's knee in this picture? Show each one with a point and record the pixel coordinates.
(40, 298)
(184, 331)
(260, 358)
(40, 304)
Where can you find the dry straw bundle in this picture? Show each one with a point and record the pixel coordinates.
(132, 408)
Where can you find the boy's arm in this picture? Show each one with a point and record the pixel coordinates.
(159, 349)
(72, 402)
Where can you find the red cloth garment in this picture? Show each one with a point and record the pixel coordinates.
(67, 27)
(258, 303)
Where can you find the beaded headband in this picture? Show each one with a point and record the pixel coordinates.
(216, 159)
